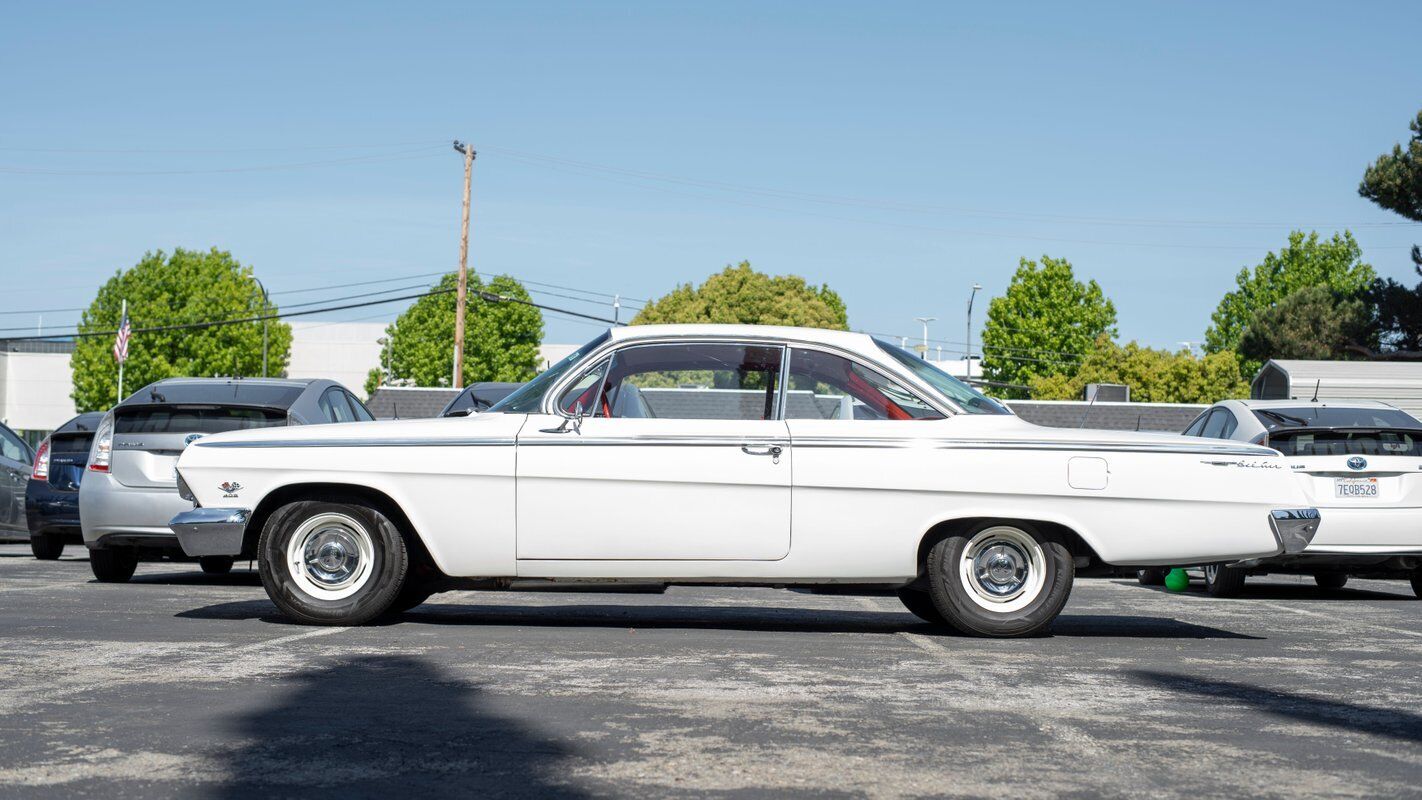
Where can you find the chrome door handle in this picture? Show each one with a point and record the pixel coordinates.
(772, 450)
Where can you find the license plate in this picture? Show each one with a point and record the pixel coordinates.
(1355, 487)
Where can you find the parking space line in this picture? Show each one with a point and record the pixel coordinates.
(1348, 621)
(295, 637)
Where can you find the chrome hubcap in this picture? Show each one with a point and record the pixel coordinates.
(1000, 569)
(331, 556)
(1003, 569)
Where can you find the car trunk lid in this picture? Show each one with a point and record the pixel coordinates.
(1363, 467)
(148, 438)
(68, 453)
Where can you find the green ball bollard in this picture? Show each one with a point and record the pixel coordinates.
(1177, 580)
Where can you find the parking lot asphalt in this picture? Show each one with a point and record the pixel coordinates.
(182, 684)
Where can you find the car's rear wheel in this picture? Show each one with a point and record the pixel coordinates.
(411, 596)
(1222, 581)
(1330, 581)
(332, 563)
(113, 564)
(1000, 579)
(1151, 576)
(216, 565)
(920, 603)
(47, 546)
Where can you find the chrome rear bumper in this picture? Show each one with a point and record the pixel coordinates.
(211, 531)
(1294, 528)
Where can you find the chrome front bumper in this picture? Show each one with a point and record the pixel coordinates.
(211, 531)
(1294, 528)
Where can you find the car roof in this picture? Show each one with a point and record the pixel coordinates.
(847, 339)
(283, 393)
(82, 423)
(1308, 403)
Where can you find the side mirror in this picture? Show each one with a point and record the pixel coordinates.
(573, 423)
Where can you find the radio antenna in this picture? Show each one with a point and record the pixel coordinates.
(1316, 384)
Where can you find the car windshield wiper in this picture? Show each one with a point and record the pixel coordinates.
(1286, 419)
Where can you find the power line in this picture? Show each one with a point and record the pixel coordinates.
(211, 150)
(423, 152)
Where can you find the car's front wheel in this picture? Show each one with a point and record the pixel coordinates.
(1222, 581)
(216, 565)
(1331, 581)
(113, 564)
(47, 546)
(332, 563)
(1000, 579)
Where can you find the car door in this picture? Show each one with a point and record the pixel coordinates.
(680, 456)
(14, 471)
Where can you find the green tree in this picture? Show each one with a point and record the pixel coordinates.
(500, 338)
(1335, 263)
(1310, 323)
(187, 286)
(1155, 376)
(1045, 320)
(1394, 181)
(739, 294)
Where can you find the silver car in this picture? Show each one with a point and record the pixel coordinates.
(131, 490)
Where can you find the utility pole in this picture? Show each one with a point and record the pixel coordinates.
(461, 297)
(925, 321)
(968, 354)
(266, 309)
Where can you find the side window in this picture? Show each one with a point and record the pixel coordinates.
(583, 392)
(1215, 425)
(1198, 425)
(335, 407)
(11, 447)
(692, 381)
(1230, 425)
(826, 386)
(358, 409)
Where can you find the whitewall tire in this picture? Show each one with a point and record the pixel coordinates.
(1000, 579)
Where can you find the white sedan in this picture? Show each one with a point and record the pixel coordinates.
(1359, 461)
(728, 454)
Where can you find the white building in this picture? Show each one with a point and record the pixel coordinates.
(35, 382)
(342, 351)
(1395, 382)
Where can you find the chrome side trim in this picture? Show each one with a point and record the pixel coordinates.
(358, 443)
(211, 531)
(656, 441)
(1027, 444)
(1294, 528)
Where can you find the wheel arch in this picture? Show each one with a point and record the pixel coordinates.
(1079, 547)
(339, 493)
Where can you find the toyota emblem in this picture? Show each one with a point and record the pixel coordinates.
(1357, 462)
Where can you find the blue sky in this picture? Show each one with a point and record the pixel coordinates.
(898, 152)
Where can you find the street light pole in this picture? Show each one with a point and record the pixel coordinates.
(266, 310)
(924, 321)
(968, 354)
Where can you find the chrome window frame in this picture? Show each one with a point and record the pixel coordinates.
(944, 405)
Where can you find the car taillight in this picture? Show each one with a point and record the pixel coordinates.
(41, 469)
(103, 445)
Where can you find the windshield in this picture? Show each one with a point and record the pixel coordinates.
(529, 398)
(1334, 417)
(972, 401)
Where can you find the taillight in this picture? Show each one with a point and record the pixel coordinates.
(41, 470)
(103, 445)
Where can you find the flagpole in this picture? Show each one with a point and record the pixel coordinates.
(122, 316)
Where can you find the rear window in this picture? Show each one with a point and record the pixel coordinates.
(208, 419)
(1335, 417)
(1348, 443)
(236, 392)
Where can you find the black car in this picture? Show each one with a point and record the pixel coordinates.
(15, 460)
(52, 492)
(478, 397)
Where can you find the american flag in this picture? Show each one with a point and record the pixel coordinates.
(121, 341)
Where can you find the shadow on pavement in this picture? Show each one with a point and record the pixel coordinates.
(388, 726)
(196, 578)
(712, 617)
(1298, 592)
(1401, 725)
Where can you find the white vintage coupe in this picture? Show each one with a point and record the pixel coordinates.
(728, 454)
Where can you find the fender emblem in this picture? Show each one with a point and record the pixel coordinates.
(230, 488)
